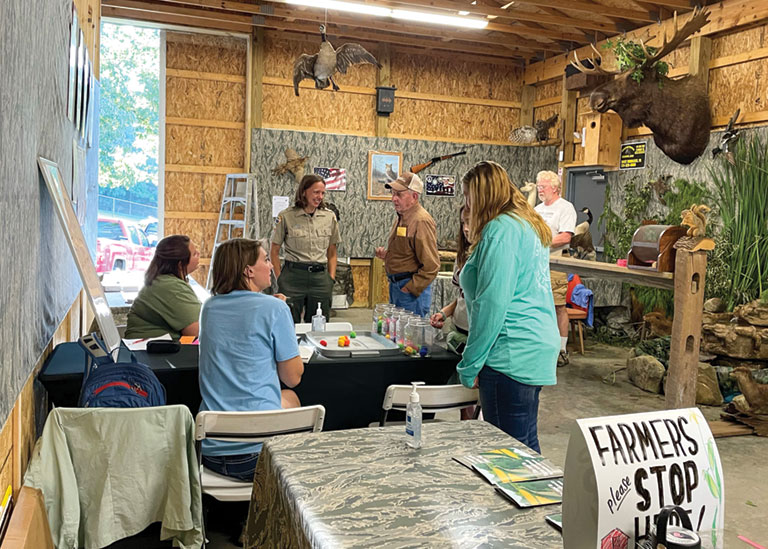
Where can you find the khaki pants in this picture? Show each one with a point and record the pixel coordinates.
(559, 287)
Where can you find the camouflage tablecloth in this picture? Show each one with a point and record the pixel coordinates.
(365, 488)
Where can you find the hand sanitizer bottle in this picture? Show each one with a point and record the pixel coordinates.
(318, 321)
(413, 418)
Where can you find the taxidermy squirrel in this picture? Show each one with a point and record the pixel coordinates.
(755, 393)
(695, 219)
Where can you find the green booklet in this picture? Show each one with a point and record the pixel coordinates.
(555, 520)
(511, 465)
(519, 474)
(533, 493)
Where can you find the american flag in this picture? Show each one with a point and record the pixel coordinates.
(335, 178)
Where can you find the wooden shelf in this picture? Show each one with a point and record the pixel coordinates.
(665, 281)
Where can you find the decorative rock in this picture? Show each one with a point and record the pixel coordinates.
(741, 404)
(423, 351)
(714, 305)
(353, 335)
(707, 387)
(646, 372)
(733, 340)
(754, 312)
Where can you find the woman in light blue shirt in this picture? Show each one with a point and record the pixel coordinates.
(513, 340)
(247, 347)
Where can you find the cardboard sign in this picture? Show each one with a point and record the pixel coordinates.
(621, 470)
(632, 155)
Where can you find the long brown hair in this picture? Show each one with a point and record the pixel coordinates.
(462, 247)
(491, 193)
(306, 182)
(229, 263)
(171, 257)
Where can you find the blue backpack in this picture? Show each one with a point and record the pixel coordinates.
(112, 384)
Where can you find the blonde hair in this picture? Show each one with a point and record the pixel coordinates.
(491, 193)
(546, 176)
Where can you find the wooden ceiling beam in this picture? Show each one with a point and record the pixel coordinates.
(170, 19)
(685, 5)
(571, 5)
(316, 15)
(355, 34)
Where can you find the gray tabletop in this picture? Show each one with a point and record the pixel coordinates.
(365, 488)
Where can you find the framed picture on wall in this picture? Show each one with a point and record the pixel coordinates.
(74, 29)
(80, 74)
(440, 185)
(383, 167)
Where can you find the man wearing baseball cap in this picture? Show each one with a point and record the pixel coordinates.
(410, 258)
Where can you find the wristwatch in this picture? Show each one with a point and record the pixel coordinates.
(443, 315)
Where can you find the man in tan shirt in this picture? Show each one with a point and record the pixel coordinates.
(410, 258)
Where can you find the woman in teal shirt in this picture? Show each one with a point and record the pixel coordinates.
(513, 340)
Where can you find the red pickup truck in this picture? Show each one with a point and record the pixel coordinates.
(121, 245)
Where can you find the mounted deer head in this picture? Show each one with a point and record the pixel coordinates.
(676, 111)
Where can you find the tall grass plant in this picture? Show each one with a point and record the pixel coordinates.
(742, 195)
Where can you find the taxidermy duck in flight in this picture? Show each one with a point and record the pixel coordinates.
(324, 64)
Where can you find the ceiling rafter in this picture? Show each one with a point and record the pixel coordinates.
(306, 14)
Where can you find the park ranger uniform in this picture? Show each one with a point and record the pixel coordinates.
(304, 278)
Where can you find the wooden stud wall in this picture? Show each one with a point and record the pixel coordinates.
(737, 40)
(206, 134)
(438, 98)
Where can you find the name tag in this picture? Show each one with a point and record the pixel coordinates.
(402, 231)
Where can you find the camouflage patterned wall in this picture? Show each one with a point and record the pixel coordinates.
(365, 223)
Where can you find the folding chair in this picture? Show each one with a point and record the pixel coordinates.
(433, 399)
(248, 427)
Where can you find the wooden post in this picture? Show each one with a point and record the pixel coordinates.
(698, 66)
(526, 106)
(383, 78)
(690, 270)
(568, 123)
(257, 77)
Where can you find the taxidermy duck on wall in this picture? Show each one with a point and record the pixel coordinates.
(324, 64)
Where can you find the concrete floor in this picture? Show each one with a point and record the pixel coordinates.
(587, 388)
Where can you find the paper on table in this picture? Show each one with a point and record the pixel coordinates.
(306, 353)
(141, 343)
(279, 203)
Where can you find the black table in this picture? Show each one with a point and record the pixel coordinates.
(351, 389)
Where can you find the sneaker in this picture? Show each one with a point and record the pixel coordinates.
(562, 359)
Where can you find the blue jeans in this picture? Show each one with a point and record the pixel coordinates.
(409, 302)
(511, 406)
(239, 467)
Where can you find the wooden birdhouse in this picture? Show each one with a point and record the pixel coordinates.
(602, 139)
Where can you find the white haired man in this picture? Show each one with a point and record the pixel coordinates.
(560, 215)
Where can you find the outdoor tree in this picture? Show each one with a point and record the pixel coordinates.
(129, 119)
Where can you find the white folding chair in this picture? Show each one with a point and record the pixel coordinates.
(433, 399)
(248, 427)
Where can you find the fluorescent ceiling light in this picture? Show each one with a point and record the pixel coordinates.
(463, 13)
(405, 15)
(361, 9)
(453, 20)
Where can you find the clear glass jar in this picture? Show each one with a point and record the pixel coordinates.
(378, 319)
(402, 322)
(425, 337)
(396, 312)
(386, 320)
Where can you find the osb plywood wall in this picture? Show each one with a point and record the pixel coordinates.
(437, 98)
(205, 138)
(738, 79)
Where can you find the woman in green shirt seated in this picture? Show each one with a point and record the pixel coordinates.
(167, 304)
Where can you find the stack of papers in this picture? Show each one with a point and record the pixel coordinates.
(522, 476)
(141, 343)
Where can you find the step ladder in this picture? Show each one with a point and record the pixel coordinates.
(238, 216)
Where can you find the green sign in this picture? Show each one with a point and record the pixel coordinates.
(632, 155)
